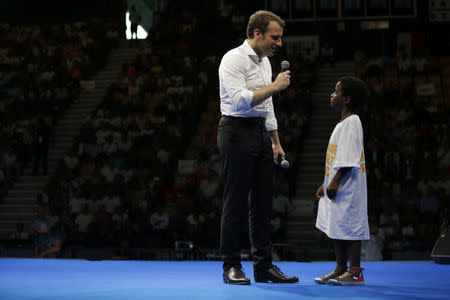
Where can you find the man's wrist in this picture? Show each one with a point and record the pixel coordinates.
(275, 88)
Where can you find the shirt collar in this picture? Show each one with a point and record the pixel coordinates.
(250, 52)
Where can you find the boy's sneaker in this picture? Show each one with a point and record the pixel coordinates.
(324, 279)
(353, 276)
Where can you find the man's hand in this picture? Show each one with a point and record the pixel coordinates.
(282, 81)
(276, 146)
(332, 189)
(277, 150)
(319, 193)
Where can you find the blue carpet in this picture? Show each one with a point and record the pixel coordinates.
(79, 279)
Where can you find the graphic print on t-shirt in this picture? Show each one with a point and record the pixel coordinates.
(331, 154)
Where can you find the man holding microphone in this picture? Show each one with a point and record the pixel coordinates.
(249, 147)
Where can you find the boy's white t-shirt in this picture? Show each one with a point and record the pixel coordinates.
(345, 217)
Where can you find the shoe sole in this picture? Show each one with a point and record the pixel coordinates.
(227, 281)
(267, 280)
(318, 281)
(346, 283)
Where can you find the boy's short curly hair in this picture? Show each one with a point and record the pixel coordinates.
(356, 89)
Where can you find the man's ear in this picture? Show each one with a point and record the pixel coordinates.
(347, 100)
(257, 34)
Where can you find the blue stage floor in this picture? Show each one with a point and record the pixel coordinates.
(79, 279)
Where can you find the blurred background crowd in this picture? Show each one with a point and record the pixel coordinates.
(144, 171)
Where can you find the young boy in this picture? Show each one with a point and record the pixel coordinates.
(342, 213)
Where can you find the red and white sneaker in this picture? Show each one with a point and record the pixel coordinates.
(353, 276)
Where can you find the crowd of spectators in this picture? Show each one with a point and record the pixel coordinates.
(407, 148)
(41, 67)
(41, 70)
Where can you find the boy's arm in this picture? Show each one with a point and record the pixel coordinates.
(334, 183)
(319, 193)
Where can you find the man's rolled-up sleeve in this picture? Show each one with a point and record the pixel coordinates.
(232, 75)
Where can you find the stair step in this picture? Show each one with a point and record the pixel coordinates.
(311, 171)
(324, 117)
(59, 148)
(314, 148)
(69, 128)
(18, 192)
(25, 185)
(16, 215)
(24, 201)
(71, 122)
(64, 138)
(307, 194)
(30, 178)
(311, 162)
(321, 94)
(89, 97)
(9, 226)
(76, 115)
(304, 166)
(313, 180)
(317, 141)
(80, 109)
(322, 127)
(18, 208)
(319, 135)
(87, 104)
(62, 134)
(61, 138)
(311, 186)
(67, 131)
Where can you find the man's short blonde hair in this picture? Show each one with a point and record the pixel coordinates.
(260, 20)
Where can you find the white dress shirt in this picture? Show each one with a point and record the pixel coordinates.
(241, 72)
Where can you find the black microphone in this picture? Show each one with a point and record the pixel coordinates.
(281, 162)
(285, 65)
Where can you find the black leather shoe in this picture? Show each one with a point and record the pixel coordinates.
(235, 276)
(274, 274)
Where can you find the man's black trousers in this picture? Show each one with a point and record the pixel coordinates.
(248, 166)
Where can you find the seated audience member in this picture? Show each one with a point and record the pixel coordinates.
(48, 243)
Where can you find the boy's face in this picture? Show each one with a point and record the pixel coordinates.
(337, 100)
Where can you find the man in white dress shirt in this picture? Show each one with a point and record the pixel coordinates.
(249, 147)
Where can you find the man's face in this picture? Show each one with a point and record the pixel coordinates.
(270, 41)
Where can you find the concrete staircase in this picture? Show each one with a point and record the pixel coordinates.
(301, 224)
(19, 205)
